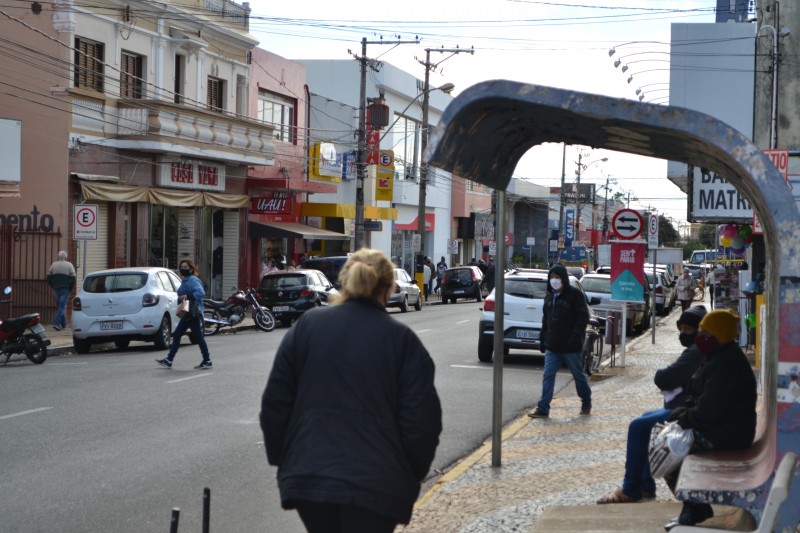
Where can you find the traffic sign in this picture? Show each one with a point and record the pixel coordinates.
(84, 222)
(652, 231)
(627, 224)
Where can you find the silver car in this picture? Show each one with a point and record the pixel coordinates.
(124, 304)
(599, 285)
(406, 291)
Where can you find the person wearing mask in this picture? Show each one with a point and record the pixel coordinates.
(61, 278)
(191, 288)
(685, 285)
(721, 405)
(352, 418)
(441, 268)
(638, 484)
(564, 321)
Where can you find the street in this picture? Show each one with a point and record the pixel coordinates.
(112, 442)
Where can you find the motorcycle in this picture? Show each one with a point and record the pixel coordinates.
(232, 311)
(14, 339)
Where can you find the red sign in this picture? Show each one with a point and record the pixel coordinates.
(272, 203)
(627, 224)
(373, 146)
(430, 222)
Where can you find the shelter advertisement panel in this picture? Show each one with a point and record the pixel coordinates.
(627, 271)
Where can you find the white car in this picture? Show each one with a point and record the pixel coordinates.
(125, 304)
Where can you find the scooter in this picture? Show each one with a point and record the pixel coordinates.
(14, 339)
(232, 311)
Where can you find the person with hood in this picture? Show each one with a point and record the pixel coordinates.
(564, 320)
(638, 484)
(351, 418)
(721, 404)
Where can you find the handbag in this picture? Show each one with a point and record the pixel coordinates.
(183, 308)
(669, 445)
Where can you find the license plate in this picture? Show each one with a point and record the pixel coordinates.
(527, 334)
(38, 329)
(113, 324)
(459, 291)
(280, 308)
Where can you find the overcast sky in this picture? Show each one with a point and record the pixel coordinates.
(559, 44)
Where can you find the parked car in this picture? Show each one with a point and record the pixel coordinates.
(462, 282)
(406, 291)
(638, 314)
(121, 305)
(290, 293)
(523, 300)
(669, 283)
(662, 290)
(329, 266)
(576, 271)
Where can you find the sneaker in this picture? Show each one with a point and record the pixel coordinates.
(164, 362)
(57, 328)
(586, 408)
(538, 413)
(203, 366)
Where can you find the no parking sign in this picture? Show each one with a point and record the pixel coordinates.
(84, 222)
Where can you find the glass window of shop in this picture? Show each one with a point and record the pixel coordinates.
(402, 250)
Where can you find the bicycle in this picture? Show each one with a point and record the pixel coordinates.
(593, 346)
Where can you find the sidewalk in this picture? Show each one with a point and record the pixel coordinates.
(566, 460)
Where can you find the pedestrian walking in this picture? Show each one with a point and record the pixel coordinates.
(711, 282)
(430, 264)
(638, 484)
(685, 285)
(441, 268)
(191, 289)
(352, 418)
(427, 273)
(564, 321)
(61, 278)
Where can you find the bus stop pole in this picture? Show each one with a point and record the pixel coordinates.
(499, 312)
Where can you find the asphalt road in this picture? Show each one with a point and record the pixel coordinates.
(111, 442)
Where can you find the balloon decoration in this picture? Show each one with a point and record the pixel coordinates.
(736, 237)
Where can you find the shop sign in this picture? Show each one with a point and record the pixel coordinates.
(190, 174)
(384, 188)
(326, 162)
(373, 146)
(272, 203)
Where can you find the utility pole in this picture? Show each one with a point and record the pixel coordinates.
(361, 156)
(578, 201)
(561, 230)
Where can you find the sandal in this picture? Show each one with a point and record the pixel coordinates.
(617, 497)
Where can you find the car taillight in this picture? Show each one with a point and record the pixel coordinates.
(659, 290)
(76, 304)
(306, 292)
(149, 300)
(396, 288)
(488, 305)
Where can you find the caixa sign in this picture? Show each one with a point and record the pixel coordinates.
(272, 203)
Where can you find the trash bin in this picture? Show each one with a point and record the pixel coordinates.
(613, 331)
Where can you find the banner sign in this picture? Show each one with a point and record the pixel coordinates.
(272, 203)
(627, 271)
(384, 187)
(569, 227)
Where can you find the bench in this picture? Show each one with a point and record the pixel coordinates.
(777, 494)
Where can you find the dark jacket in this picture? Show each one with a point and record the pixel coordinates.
(678, 374)
(564, 324)
(350, 414)
(722, 400)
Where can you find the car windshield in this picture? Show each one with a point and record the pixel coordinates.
(525, 288)
(283, 281)
(602, 285)
(102, 283)
(464, 274)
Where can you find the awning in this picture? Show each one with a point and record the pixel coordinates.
(292, 230)
(110, 192)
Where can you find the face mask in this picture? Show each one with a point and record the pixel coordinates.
(185, 272)
(706, 345)
(556, 284)
(686, 339)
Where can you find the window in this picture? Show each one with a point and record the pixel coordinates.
(279, 111)
(407, 138)
(89, 58)
(130, 77)
(216, 93)
(180, 75)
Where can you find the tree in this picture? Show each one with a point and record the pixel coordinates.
(708, 235)
(667, 234)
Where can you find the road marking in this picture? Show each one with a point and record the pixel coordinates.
(463, 322)
(28, 412)
(424, 331)
(62, 364)
(191, 377)
(472, 366)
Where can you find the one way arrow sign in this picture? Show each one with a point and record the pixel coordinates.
(627, 224)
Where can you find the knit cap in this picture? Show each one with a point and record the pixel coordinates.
(722, 324)
(692, 316)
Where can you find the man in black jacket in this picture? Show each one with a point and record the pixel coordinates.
(673, 380)
(564, 321)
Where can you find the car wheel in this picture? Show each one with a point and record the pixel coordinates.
(444, 300)
(418, 305)
(122, 345)
(453, 300)
(286, 322)
(478, 295)
(82, 346)
(485, 347)
(164, 335)
(404, 304)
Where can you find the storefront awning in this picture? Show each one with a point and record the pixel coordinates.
(110, 192)
(292, 230)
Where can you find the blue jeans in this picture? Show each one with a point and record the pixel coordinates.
(552, 362)
(62, 295)
(197, 334)
(637, 468)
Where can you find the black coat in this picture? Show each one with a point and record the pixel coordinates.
(350, 414)
(722, 400)
(564, 324)
(678, 374)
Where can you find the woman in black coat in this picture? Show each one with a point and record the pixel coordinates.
(350, 414)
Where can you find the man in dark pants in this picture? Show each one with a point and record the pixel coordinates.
(564, 321)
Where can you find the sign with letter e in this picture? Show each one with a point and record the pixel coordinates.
(84, 222)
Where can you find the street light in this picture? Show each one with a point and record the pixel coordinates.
(446, 88)
(581, 168)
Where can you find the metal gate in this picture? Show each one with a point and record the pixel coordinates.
(25, 258)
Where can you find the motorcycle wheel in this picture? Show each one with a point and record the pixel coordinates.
(264, 319)
(35, 349)
(210, 328)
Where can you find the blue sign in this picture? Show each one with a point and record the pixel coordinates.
(569, 227)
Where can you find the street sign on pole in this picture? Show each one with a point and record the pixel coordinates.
(84, 222)
(627, 224)
(652, 231)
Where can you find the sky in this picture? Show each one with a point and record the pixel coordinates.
(561, 44)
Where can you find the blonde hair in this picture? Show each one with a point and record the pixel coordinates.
(366, 274)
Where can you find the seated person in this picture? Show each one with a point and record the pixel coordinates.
(673, 380)
(721, 408)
